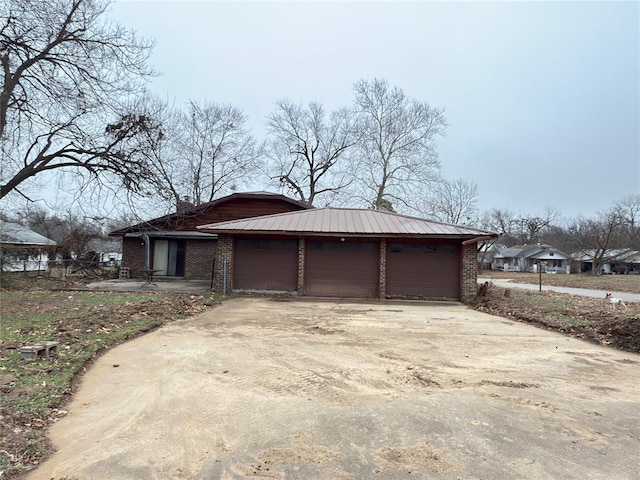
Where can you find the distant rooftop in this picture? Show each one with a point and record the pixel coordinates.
(16, 234)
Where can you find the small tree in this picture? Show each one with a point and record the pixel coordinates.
(596, 237)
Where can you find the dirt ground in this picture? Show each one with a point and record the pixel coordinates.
(283, 388)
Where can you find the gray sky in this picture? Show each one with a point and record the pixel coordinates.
(542, 98)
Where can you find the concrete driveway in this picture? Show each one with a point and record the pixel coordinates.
(307, 389)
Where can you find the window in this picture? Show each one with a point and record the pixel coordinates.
(275, 244)
(395, 247)
(315, 245)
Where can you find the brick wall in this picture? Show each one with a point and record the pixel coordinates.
(133, 255)
(382, 273)
(199, 259)
(469, 277)
(301, 258)
(224, 254)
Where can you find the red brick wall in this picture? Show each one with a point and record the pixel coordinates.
(224, 254)
(301, 256)
(469, 277)
(199, 257)
(133, 255)
(382, 274)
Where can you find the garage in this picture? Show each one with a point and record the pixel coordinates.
(265, 264)
(423, 269)
(341, 268)
(342, 255)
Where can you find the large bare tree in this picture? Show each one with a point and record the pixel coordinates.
(68, 75)
(218, 151)
(307, 149)
(397, 152)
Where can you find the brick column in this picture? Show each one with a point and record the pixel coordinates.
(301, 258)
(224, 255)
(469, 277)
(382, 270)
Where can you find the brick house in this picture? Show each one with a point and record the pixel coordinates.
(171, 245)
(340, 252)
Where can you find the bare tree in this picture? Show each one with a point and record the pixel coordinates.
(453, 201)
(218, 152)
(596, 237)
(66, 72)
(396, 144)
(71, 230)
(307, 149)
(628, 209)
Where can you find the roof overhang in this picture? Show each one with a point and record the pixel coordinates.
(465, 239)
(183, 235)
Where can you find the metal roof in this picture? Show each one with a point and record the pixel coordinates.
(346, 221)
(16, 234)
(535, 251)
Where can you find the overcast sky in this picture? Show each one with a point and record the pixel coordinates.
(542, 98)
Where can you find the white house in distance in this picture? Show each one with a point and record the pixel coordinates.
(621, 261)
(23, 250)
(526, 258)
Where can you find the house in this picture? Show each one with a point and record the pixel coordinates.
(23, 250)
(526, 258)
(621, 260)
(341, 252)
(172, 246)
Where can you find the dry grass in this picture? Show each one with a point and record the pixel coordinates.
(610, 283)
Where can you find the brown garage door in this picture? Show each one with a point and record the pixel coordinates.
(423, 269)
(335, 268)
(262, 264)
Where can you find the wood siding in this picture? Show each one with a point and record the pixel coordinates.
(335, 268)
(231, 210)
(423, 269)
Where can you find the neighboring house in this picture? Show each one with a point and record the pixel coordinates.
(23, 250)
(622, 261)
(172, 246)
(339, 252)
(526, 258)
(108, 252)
(486, 254)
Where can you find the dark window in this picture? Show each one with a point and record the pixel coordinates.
(431, 248)
(290, 245)
(395, 247)
(275, 244)
(413, 248)
(449, 249)
(261, 244)
(315, 245)
(368, 246)
(243, 244)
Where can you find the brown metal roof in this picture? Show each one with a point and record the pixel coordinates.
(345, 221)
